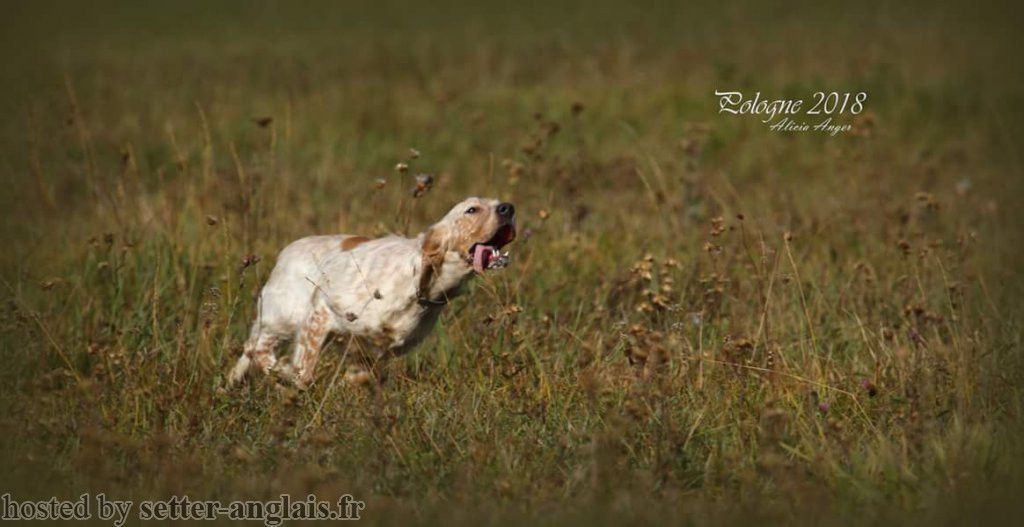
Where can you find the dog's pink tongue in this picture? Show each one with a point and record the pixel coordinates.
(481, 257)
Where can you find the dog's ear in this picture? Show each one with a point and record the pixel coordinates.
(435, 245)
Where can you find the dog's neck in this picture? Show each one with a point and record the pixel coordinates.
(453, 274)
(439, 280)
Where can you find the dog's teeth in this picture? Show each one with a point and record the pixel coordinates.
(500, 260)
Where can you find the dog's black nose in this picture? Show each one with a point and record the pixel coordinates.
(506, 210)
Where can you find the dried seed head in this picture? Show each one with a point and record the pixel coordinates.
(424, 182)
(717, 226)
(249, 260)
(48, 284)
(515, 170)
(962, 187)
(869, 387)
(927, 200)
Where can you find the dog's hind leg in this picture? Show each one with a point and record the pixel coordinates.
(309, 342)
(258, 353)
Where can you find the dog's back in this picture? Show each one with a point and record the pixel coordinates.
(348, 273)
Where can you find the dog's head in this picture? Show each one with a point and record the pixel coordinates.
(468, 238)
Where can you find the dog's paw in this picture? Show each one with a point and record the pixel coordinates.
(285, 373)
(357, 375)
(240, 372)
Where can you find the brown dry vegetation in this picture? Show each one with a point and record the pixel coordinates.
(704, 320)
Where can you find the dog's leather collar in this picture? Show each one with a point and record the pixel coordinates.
(426, 302)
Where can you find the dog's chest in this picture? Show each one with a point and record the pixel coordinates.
(396, 330)
(373, 290)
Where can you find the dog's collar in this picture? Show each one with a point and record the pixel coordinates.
(427, 302)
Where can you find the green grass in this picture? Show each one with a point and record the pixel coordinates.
(688, 293)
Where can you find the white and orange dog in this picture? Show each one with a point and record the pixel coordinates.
(384, 294)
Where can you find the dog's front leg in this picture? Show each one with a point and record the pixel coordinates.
(258, 352)
(366, 362)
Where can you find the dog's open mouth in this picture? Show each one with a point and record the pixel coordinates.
(488, 255)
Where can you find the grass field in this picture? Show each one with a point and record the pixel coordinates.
(704, 320)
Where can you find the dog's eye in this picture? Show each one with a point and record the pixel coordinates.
(472, 210)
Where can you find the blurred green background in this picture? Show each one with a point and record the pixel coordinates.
(149, 148)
